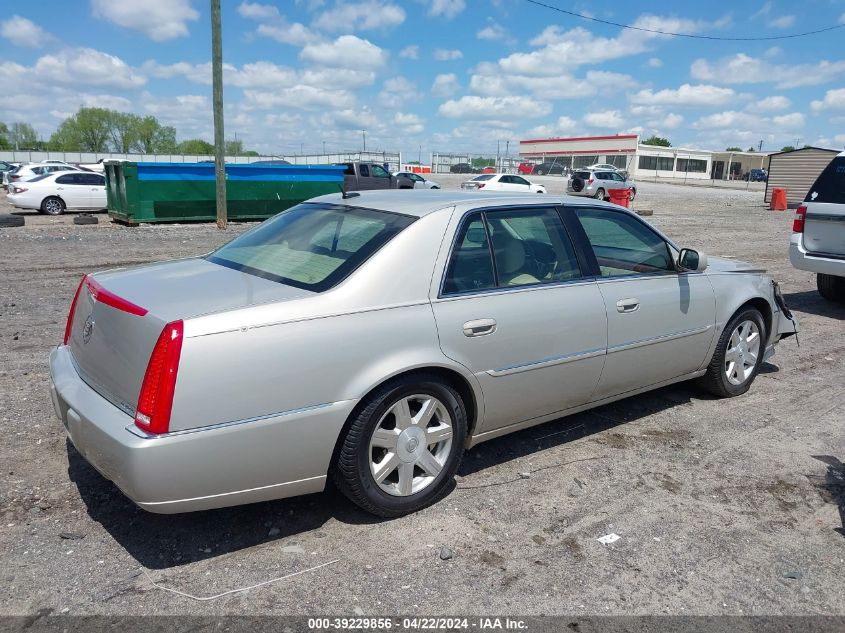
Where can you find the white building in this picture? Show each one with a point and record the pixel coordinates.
(623, 151)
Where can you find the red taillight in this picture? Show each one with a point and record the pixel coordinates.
(156, 398)
(798, 222)
(480, 185)
(110, 299)
(70, 314)
(590, 181)
(17, 189)
(14, 177)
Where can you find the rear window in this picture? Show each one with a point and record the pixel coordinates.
(584, 175)
(484, 177)
(311, 246)
(830, 185)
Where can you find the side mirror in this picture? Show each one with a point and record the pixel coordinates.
(690, 259)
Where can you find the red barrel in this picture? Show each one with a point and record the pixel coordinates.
(620, 196)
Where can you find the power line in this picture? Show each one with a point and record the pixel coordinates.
(688, 35)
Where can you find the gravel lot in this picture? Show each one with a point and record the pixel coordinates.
(723, 506)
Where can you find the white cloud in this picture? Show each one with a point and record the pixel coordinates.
(347, 51)
(22, 32)
(671, 121)
(89, 67)
(833, 100)
(159, 20)
(494, 108)
(783, 22)
(410, 52)
(744, 69)
(493, 32)
(396, 92)
(446, 8)
(445, 85)
(733, 118)
(299, 96)
(791, 121)
(579, 46)
(292, 33)
(363, 16)
(604, 119)
(444, 55)
(769, 104)
(655, 62)
(408, 123)
(840, 138)
(564, 125)
(687, 95)
(490, 80)
(257, 11)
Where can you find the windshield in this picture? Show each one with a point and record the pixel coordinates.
(311, 246)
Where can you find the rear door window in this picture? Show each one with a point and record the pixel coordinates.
(830, 185)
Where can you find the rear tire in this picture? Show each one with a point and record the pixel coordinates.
(600, 194)
(422, 460)
(539, 172)
(738, 357)
(53, 206)
(831, 287)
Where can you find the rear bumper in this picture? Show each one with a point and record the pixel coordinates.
(282, 455)
(801, 259)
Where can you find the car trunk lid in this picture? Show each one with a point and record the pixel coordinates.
(120, 314)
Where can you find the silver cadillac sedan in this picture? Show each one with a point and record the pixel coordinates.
(373, 337)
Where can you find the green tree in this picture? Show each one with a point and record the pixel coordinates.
(751, 150)
(733, 148)
(195, 146)
(787, 148)
(89, 130)
(4, 136)
(657, 140)
(123, 130)
(153, 138)
(233, 148)
(251, 152)
(22, 136)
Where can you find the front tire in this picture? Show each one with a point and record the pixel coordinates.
(600, 194)
(738, 355)
(53, 206)
(831, 287)
(402, 449)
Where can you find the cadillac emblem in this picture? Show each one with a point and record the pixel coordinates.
(88, 330)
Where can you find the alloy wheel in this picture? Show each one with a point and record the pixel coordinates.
(742, 352)
(410, 445)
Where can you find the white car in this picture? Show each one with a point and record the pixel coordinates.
(502, 182)
(53, 193)
(602, 167)
(420, 181)
(33, 170)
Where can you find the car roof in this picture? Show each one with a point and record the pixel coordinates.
(422, 202)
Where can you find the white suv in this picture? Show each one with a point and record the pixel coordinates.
(818, 231)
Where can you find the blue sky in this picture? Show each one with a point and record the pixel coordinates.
(444, 75)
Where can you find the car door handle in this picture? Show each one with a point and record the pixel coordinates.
(479, 327)
(628, 305)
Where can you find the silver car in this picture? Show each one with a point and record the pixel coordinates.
(818, 231)
(597, 184)
(373, 337)
(419, 180)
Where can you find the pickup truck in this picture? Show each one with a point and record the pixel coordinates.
(364, 176)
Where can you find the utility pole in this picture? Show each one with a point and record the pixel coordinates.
(324, 147)
(364, 134)
(760, 147)
(217, 105)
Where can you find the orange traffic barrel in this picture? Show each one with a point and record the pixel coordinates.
(778, 202)
(620, 196)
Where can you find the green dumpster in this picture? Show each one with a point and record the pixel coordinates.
(180, 192)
